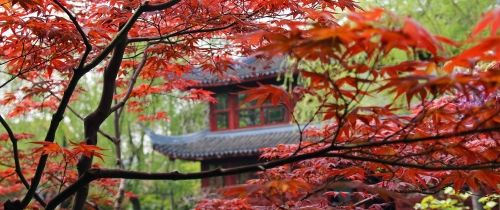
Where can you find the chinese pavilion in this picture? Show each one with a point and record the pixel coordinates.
(237, 131)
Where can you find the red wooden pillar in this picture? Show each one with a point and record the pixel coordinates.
(205, 182)
(230, 180)
(233, 114)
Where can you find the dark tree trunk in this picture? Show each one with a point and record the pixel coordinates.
(94, 120)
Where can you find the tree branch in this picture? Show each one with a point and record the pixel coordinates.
(94, 120)
(54, 124)
(490, 165)
(96, 173)
(17, 164)
(79, 72)
(179, 33)
(109, 137)
(124, 30)
(132, 82)
(415, 140)
(88, 46)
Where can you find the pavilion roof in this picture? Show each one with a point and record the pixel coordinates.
(221, 144)
(243, 70)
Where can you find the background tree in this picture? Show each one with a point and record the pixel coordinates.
(137, 153)
(448, 18)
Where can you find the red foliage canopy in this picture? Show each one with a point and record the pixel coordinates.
(447, 134)
(368, 156)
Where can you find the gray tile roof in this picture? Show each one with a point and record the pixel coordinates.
(246, 69)
(213, 145)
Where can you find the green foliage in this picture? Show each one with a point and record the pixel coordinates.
(490, 202)
(456, 201)
(184, 117)
(430, 202)
(449, 18)
(453, 201)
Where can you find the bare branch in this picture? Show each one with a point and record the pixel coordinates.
(133, 80)
(72, 110)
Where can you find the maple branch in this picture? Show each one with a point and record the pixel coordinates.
(54, 124)
(124, 30)
(119, 159)
(57, 117)
(179, 33)
(323, 187)
(30, 68)
(109, 137)
(301, 130)
(88, 46)
(97, 173)
(17, 164)
(359, 203)
(50, 136)
(94, 120)
(20, 68)
(132, 82)
(26, 54)
(63, 183)
(415, 140)
(490, 165)
(156, 7)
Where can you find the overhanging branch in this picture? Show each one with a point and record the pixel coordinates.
(415, 140)
(489, 165)
(94, 174)
(124, 30)
(179, 33)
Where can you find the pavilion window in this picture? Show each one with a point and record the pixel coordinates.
(274, 114)
(249, 114)
(232, 112)
(221, 111)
